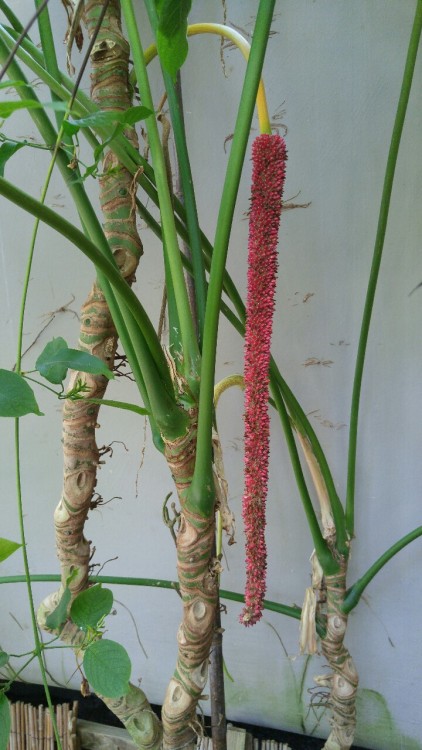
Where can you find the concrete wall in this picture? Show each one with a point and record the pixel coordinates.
(333, 75)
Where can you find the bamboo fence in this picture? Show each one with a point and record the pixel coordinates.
(32, 727)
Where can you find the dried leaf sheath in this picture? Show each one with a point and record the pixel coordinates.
(269, 157)
(324, 599)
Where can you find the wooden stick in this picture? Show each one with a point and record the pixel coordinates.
(34, 728)
(19, 729)
(66, 726)
(73, 730)
(40, 728)
(27, 725)
(15, 709)
(59, 718)
(12, 743)
(47, 731)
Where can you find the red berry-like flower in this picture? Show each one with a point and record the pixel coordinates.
(269, 159)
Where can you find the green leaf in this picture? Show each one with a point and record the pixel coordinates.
(85, 362)
(90, 606)
(107, 667)
(54, 372)
(135, 114)
(4, 658)
(12, 84)
(108, 117)
(7, 548)
(119, 405)
(7, 150)
(56, 358)
(172, 42)
(4, 722)
(58, 616)
(16, 396)
(69, 127)
(8, 108)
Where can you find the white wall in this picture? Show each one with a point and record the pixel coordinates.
(334, 69)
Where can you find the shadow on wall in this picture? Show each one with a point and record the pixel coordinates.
(303, 710)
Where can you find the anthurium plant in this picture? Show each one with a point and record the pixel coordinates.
(176, 383)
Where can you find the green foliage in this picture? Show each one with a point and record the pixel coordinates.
(103, 119)
(7, 548)
(8, 108)
(172, 42)
(11, 84)
(118, 405)
(91, 606)
(4, 658)
(7, 149)
(4, 722)
(56, 358)
(58, 616)
(16, 396)
(107, 668)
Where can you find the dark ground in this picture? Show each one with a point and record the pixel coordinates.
(93, 709)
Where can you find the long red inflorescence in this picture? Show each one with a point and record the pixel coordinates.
(269, 158)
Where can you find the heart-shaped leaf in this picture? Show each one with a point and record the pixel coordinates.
(16, 396)
(54, 372)
(107, 667)
(90, 606)
(7, 548)
(56, 358)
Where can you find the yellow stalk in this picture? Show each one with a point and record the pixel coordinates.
(240, 42)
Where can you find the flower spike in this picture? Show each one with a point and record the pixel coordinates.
(269, 158)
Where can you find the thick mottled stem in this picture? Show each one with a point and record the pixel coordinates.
(80, 450)
(132, 709)
(198, 577)
(110, 90)
(343, 681)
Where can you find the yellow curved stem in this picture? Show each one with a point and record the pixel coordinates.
(233, 36)
(227, 382)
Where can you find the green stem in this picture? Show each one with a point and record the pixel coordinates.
(106, 266)
(190, 347)
(12, 19)
(303, 425)
(49, 51)
(355, 592)
(200, 500)
(187, 186)
(118, 405)
(40, 383)
(158, 583)
(27, 577)
(94, 229)
(376, 260)
(297, 414)
(324, 555)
